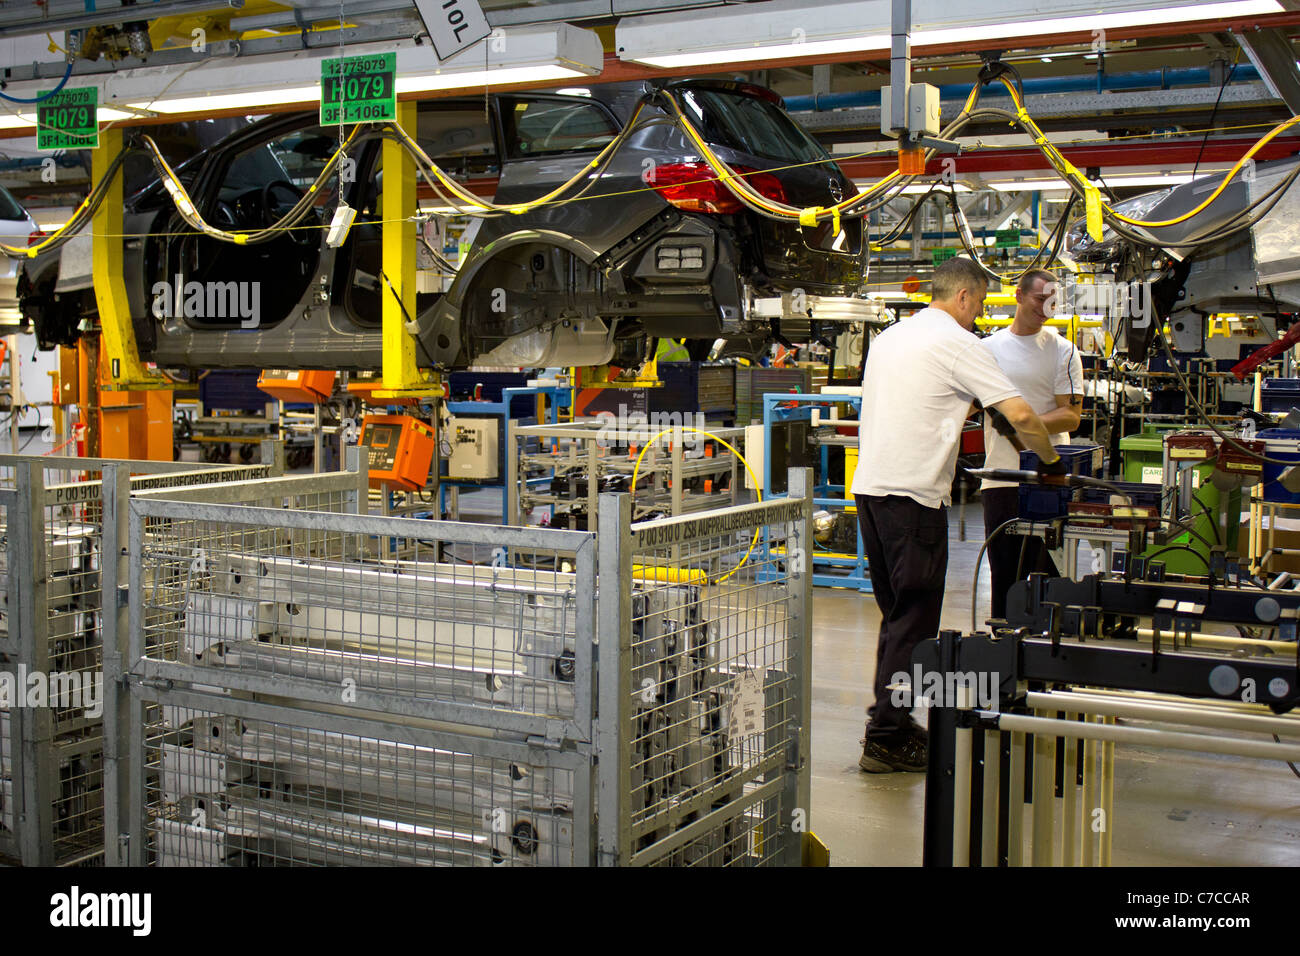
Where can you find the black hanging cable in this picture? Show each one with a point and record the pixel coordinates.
(1227, 77)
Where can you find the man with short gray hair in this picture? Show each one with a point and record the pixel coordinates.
(921, 376)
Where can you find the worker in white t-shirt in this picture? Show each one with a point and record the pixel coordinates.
(1047, 371)
(922, 375)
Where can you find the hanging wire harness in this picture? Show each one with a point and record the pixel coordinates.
(461, 201)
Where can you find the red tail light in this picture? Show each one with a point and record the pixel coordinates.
(36, 237)
(765, 184)
(695, 187)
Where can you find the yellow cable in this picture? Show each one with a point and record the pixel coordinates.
(805, 216)
(734, 181)
(1069, 171)
(469, 198)
(753, 477)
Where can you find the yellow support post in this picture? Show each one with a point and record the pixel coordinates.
(125, 368)
(401, 373)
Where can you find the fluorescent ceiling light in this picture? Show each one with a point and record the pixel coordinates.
(230, 101)
(498, 77)
(1172, 179)
(105, 114)
(522, 55)
(916, 188)
(1091, 22)
(939, 190)
(780, 29)
(1033, 186)
(1059, 185)
(532, 54)
(757, 52)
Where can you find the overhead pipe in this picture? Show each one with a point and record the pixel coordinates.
(1163, 79)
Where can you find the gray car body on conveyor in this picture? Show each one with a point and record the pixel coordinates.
(1255, 271)
(16, 226)
(577, 279)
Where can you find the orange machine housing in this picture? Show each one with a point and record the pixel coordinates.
(312, 386)
(401, 450)
(135, 424)
(365, 384)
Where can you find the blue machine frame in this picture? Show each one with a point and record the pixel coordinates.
(560, 399)
(838, 570)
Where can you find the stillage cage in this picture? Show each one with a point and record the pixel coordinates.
(316, 686)
(53, 571)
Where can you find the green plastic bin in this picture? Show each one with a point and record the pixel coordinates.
(1143, 457)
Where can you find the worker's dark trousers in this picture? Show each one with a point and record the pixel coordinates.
(1009, 552)
(907, 557)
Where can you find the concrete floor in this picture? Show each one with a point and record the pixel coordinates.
(1171, 808)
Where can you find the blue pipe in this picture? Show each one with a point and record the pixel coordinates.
(44, 96)
(1084, 83)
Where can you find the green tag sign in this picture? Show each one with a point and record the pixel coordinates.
(67, 120)
(1008, 239)
(942, 254)
(358, 89)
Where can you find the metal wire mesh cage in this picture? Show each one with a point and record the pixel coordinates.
(250, 792)
(338, 614)
(356, 622)
(319, 687)
(57, 515)
(712, 714)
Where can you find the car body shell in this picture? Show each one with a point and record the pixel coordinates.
(16, 226)
(566, 283)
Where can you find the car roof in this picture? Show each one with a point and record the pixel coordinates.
(620, 98)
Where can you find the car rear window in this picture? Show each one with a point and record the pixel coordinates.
(9, 208)
(748, 123)
(538, 127)
(458, 138)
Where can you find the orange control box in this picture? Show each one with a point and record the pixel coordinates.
(313, 386)
(401, 450)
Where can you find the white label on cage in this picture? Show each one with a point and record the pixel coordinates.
(745, 715)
